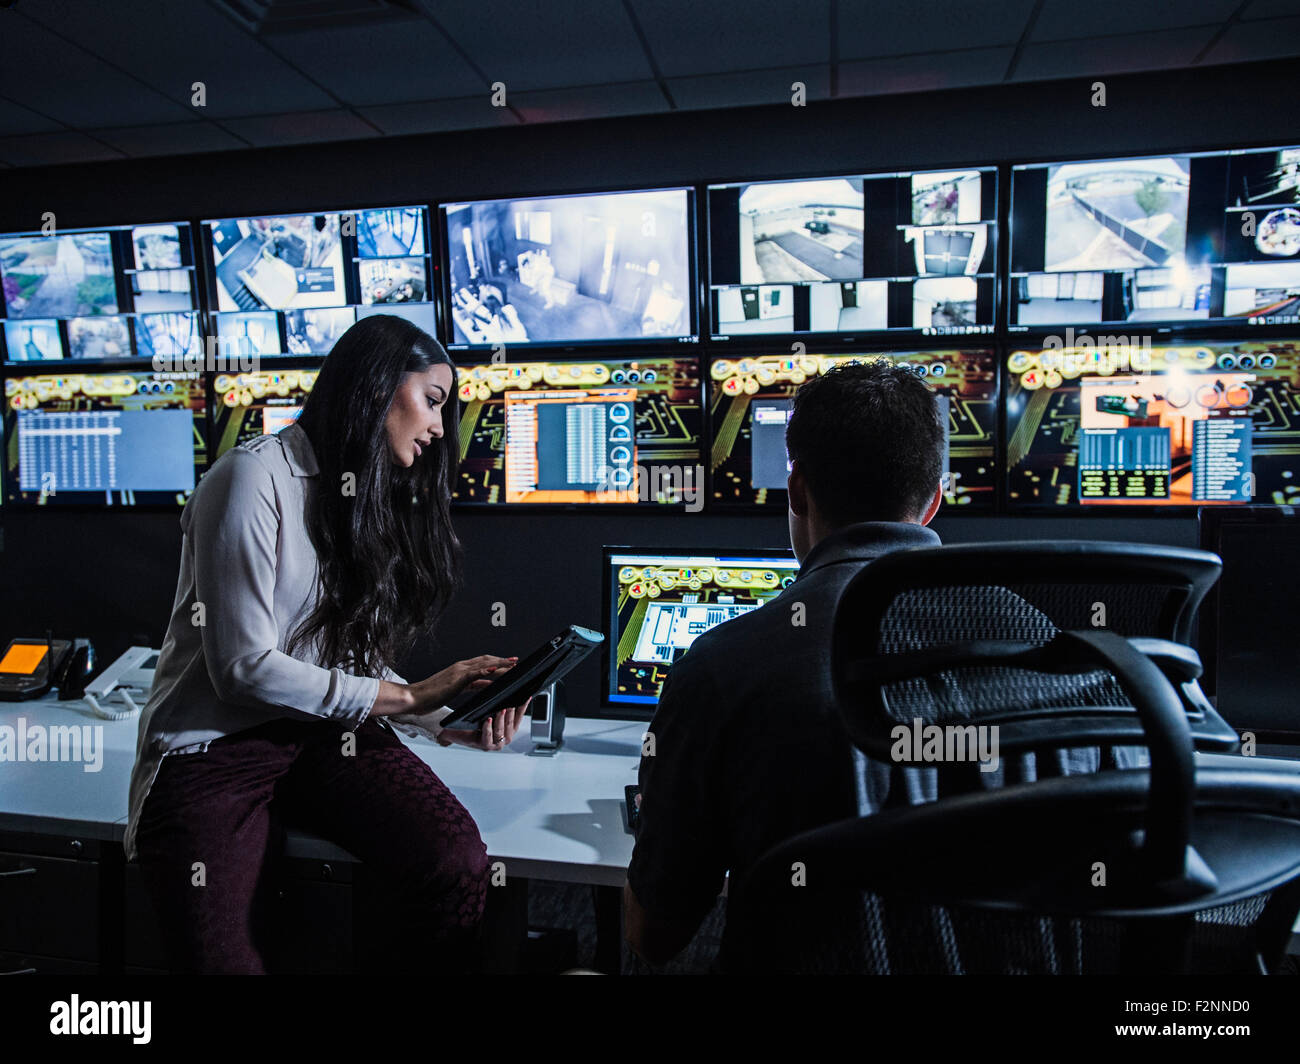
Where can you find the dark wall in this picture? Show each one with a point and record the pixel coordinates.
(112, 575)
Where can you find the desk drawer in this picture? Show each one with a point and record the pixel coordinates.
(311, 922)
(50, 906)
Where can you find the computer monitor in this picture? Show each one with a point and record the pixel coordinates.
(293, 284)
(1249, 620)
(561, 270)
(111, 439)
(1182, 240)
(659, 600)
(110, 294)
(248, 405)
(1154, 425)
(750, 399)
(853, 256)
(612, 431)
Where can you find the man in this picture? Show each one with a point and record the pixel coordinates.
(748, 748)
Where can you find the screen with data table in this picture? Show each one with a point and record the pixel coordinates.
(115, 439)
(615, 431)
(1190, 424)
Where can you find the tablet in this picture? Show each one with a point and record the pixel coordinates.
(552, 660)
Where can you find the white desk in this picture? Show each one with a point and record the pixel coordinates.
(558, 818)
(555, 818)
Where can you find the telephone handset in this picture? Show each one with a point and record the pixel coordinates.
(129, 679)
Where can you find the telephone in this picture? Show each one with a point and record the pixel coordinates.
(29, 668)
(128, 678)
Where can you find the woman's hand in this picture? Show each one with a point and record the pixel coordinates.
(440, 688)
(467, 675)
(496, 734)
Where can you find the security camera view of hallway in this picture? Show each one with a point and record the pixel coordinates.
(801, 231)
(1117, 214)
(58, 277)
(603, 267)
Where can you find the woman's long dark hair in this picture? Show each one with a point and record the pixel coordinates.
(389, 559)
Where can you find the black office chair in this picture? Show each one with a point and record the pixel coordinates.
(1159, 868)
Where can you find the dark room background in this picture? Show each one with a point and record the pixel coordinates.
(111, 575)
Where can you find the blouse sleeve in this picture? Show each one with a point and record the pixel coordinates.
(234, 523)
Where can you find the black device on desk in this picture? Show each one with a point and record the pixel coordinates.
(31, 667)
(632, 805)
(550, 662)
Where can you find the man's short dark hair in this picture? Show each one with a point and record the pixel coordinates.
(868, 438)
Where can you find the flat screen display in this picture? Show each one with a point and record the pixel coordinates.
(293, 284)
(1154, 425)
(111, 294)
(660, 601)
(855, 256)
(1177, 241)
(112, 439)
(750, 400)
(560, 270)
(614, 431)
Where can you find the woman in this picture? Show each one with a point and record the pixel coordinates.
(310, 561)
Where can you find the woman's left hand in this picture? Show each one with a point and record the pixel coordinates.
(496, 734)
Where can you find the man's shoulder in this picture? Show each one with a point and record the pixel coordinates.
(800, 612)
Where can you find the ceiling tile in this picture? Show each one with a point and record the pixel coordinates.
(48, 75)
(1270, 9)
(923, 73)
(749, 87)
(1112, 55)
(922, 26)
(1246, 41)
(604, 101)
(302, 127)
(689, 37)
(16, 119)
(387, 63)
(1068, 19)
(172, 45)
(542, 44)
(53, 149)
(438, 116)
(176, 139)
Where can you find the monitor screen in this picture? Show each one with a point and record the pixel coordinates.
(293, 284)
(1193, 424)
(1179, 240)
(110, 294)
(750, 401)
(569, 269)
(659, 601)
(248, 405)
(617, 431)
(855, 256)
(115, 439)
